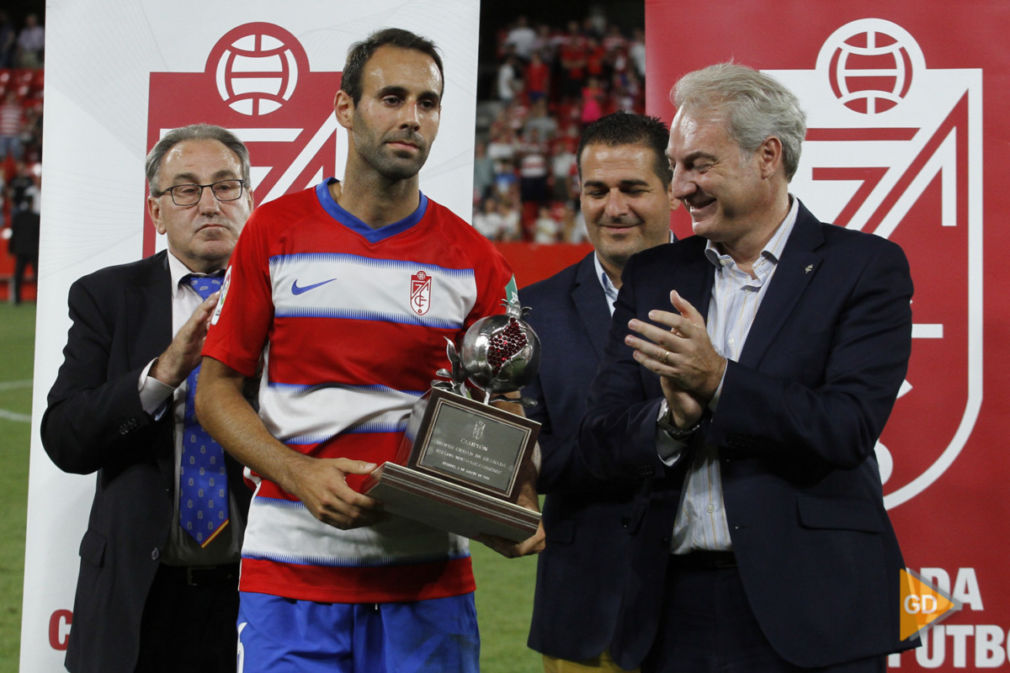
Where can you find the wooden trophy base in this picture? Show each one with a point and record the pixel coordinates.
(448, 506)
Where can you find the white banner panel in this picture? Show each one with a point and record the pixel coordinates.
(121, 72)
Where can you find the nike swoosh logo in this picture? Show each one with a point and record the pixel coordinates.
(296, 289)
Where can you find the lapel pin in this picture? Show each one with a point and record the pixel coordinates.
(810, 267)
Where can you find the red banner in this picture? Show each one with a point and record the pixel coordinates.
(257, 83)
(907, 138)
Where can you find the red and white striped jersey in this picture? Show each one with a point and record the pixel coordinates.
(349, 323)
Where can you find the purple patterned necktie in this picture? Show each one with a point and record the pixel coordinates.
(203, 480)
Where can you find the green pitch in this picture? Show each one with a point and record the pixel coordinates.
(17, 343)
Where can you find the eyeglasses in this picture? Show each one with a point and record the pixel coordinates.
(190, 194)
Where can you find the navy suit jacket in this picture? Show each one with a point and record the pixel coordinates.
(588, 522)
(795, 429)
(122, 318)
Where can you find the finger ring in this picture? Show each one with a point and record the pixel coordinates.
(666, 357)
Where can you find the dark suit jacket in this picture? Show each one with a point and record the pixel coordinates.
(588, 522)
(122, 318)
(795, 428)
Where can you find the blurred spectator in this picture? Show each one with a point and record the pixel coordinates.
(592, 101)
(31, 134)
(487, 220)
(511, 228)
(483, 172)
(573, 226)
(521, 38)
(24, 244)
(541, 121)
(8, 40)
(11, 121)
(509, 80)
(614, 40)
(515, 115)
(18, 186)
(544, 44)
(533, 176)
(569, 113)
(31, 43)
(545, 227)
(572, 56)
(564, 168)
(618, 60)
(506, 182)
(595, 23)
(33, 192)
(636, 50)
(502, 146)
(596, 59)
(559, 38)
(626, 92)
(537, 79)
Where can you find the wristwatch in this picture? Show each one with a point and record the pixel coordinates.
(665, 423)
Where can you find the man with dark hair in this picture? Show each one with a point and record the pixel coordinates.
(361, 52)
(347, 292)
(749, 372)
(626, 202)
(157, 589)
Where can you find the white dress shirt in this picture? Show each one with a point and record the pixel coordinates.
(154, 396)
(736, 297)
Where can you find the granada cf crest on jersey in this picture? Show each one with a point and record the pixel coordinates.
(257, 84)
(420, 292)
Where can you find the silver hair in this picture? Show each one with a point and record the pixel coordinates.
(194, 132)
(755, 105)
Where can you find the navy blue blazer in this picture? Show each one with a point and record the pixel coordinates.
(588, 522)
(121, 319)
(795, 428)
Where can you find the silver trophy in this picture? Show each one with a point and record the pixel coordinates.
(500, 354)
(459, 465)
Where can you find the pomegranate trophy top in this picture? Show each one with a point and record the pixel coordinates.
(499, 354)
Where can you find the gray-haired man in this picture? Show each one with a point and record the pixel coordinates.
(157, 589)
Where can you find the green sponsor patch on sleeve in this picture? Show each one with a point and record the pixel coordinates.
(512, 291)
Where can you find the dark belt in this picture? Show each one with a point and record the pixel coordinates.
(200, 576)
(703, 560)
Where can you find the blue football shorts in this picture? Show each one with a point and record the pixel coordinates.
(283, 635)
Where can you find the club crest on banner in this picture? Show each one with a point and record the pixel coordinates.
(258, 71)
(894, 148)
(420, 292)
(871, 70)
(256, 83)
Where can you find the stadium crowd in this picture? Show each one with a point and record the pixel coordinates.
(22, 47)
(549, 82)
(21, 84)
